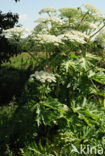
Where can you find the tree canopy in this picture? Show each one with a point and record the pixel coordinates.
(7, 20)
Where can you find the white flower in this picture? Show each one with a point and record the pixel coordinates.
(50, 19)
(47, 10)
(69, 12)
(91, 8)
(98, 16)
(49, 39)
(66, 108)
(74, 36)
(90, 25)
(78, 33)
(16, 31)
(31, 79)
(43, 76)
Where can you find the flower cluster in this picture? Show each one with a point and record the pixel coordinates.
(49, 39)
(69, 12)
(47, 10)
(50, 19)
(98, 16)
(78, 33)
(74, 36)
(43, 77)
(90, 25)
(91, 8)
(17, 31)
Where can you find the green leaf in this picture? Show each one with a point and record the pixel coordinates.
(99, 79)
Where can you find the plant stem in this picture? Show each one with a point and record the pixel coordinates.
(97, 32)
(69, 22)
(82, 19)
(46, 54)
(33, 56)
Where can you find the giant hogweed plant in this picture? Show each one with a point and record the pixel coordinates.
(67, 39)
(71, 85)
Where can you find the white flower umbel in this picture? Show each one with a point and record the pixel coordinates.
(17, 31)
(74, 36)
(78, 33)
(43, 76)
(91, 8)
(50, 19)
(49, 39)
(69, 12)
(47, 10)
(90, 25)
(98, 17)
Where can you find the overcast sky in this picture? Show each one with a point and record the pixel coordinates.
(28, 9)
